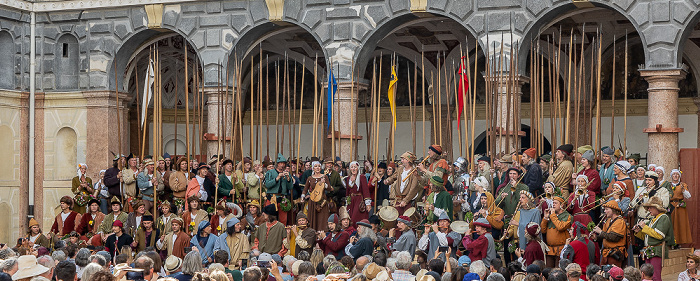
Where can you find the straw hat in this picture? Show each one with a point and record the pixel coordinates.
(372, 270)
(172, 263)
(655, 202)
(28, 267)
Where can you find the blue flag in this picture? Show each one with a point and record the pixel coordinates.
(332, 88)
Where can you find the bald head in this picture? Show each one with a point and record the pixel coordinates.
(361, 262)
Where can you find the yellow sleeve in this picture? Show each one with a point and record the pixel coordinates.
(651, 232)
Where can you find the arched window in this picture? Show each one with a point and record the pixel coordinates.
(7, 70)
(67, 61)
(65, 154)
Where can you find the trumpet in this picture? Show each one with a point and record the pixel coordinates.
(579, 192)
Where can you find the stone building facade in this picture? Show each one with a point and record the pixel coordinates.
(88, 50)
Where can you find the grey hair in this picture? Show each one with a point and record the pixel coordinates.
(82, 259)
(58, 256)
(91, 269)
(391, 264)
(367, 232)
(98, 259)
(46, 261)
(495, 276)
(8, 264)
(192, 263)
(327, 260)
(479, 268)
(403, 261)
(251, 273)
(453, 262)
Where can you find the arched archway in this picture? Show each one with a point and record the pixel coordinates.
(481, 141)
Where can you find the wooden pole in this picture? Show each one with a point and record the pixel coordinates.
(332, 115)
(187, 106)
(597, 118)
(301, 111)
(612, 111)
(260, 107)
(422, 59)
(314, 131)
(145, 114)
(473, 103)
(277, 110)
(568, 89)
(415, 103)
(267, 103)
(119, 114)
(353, 111)
(292, 122)
(625, 107)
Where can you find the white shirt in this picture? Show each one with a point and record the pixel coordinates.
(64, 216)
(200, 180)
(404, 175)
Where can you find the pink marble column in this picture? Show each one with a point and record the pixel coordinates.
(214, 119)
(663, 116)
(509, 132)
(345, 120)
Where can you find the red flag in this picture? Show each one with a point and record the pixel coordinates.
(462, 90)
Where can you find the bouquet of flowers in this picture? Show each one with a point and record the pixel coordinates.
(81, 199)
(512, 245)
(191, 227)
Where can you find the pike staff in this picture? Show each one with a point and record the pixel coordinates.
(612, 110)
(472, 100)
(353, 111)
(568, 89)
(625, 111)
(301, 109)
(422, 104)
(597, 116)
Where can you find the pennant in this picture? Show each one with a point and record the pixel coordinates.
(391, 92)
(147, 91)
(332, 88)
(462, 90)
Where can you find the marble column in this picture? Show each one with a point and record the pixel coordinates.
(663, 116)
(216, 118)
(507, 133)
(345, 121)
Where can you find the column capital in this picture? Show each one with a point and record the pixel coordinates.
(663, 75)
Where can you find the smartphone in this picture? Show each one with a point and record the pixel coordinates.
(442, 249)
(265, 264)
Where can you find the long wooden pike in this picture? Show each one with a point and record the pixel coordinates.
(373, 104)
(301, 110)
(119, 114)
(332, 115)
(336, 99)
(558, 91)
(472, 97)
(138, 111)
(612, 111)
(284, 101)
(589, 107)
(314, 131)
(252, 109)
(552, 125)
(353, 110)
(439, 100)
(260, 116)
(239, 97)
(411, 100)
(568, 89)
(379, 104)
(415, 102)
(366, 128)
(422, 59)
(487, 96)
(290, 110)
(187, 106)
(277, 109)
(292, 122)
(447, 91)
(267, 103)
(145, 114)
(456, 94)
(625, 107)
(508, 94)
(597, 117)
(219, 133)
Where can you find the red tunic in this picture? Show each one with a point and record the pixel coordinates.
(533, 252)
(580, 208)
(477, 248)
(581, 254)
(85, 227)
(334, 245)
(65, 227)
(593, 180)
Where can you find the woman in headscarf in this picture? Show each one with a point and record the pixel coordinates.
(491, 212)
(550, 190)
(357, 194)
(618, 194)
(82, 189)
(679, 213)
(581, 202)
(317, 208)
(205, 242)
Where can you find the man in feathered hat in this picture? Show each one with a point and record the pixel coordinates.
(657, 233)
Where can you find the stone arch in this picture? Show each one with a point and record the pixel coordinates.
(169, 146)
(554, 13)
(67, 60)
(7, 69)
(688, 27)
(132, 46)
(481, 141)
(66, 153)
(5, 224)
(365, 53)
(6, 141)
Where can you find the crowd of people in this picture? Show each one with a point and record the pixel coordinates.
(575, 214)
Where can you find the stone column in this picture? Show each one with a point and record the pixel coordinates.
(506, 131)
(345, 121)
(102, 113)
(663, 116)
(215, 118)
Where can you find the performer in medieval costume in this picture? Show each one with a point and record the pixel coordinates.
(230, 183)
(234, 243)
(164, 172)
(556, 222)
(36, 236)
(102, 192)
(129, 175)
(82, 189)
(166, 216)
(492, 213)
(582, 201)
(253, 218)
(478, 187)
(147, 235)
(545, 201)
(587, 169)
(253, 182)
(357, 188)
(346, 223)
(278, 183)
(133, 220)
(483, 248)
(316, 192)
(146, 181)
(337, 193)
(484, 170)
(535, 248)
(178, 183)
(407, 241)
(561, 170)
(437, 166)
(224, 212)
(579, 248)
(333, 241)
(113, 177)
(638, 176)
(105, 229)
(193, 216)
(620, 170)
(201, 186)
(404, 183)
(91, 221)
(533, 174)
(439, 200)
(500, 178)
(441, 236)
(304, 237)
(508, 200)
(462, 189)
(652, 189)
(205, 241)
(607, 166)
(269, 236)
(660, 171)
(679, 215)
(613, 234)
(378, 180)
(67, 220)
(657, 234)
(175, 242)
(118, 239)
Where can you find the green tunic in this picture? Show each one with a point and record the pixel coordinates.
(274, 186)
(225, 186)
(443, 201)
(270, 241)
(510, 201)
(654, 246)
(106, 226)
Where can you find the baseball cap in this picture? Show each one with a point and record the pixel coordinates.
(616, 273)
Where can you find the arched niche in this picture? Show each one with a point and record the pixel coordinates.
(171, 144)
(66, 154)
(7, 70)
(67, 61)
(6, 223)
(6, 141)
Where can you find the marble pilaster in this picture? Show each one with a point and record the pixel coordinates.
(216, 118)
(345, 120)
(663, 116)
(506, 132)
